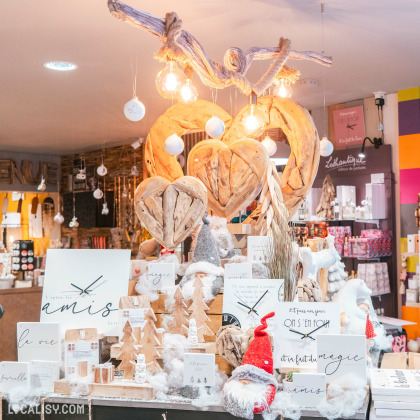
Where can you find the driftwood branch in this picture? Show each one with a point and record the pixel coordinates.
(181, 46)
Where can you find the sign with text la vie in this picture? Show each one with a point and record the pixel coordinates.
(38, 341)
(161, 275)
(82, 288)
(14, 375)
(199, 369)
(341, 354)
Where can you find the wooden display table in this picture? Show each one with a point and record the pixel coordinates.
(20, 305)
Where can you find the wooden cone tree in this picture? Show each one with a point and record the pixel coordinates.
(179, 314)
(149, 341)
(325, 209)
(198, 310)
(128, 352)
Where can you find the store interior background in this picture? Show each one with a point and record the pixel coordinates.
(55, 117)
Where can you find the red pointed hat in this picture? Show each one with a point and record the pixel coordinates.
(370, 332)
(259, 352)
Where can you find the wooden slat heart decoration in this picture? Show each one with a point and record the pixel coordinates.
(232, 174)
(170, 211)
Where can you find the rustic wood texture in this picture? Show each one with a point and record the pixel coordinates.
(149, 341)
(163, 209)
(179, 119)
(20, 305)
(128, 352)
(179, 314)
(232, 174)
(115, 389)
(82, 368)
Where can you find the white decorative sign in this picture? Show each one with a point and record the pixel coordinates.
(404, 383)
(246, 301)
(161, 275)
(13, 375)
(309, 389)
(82, 287)
(258, 248)
(43, 375)
(199, 369)
(38, 341)
(238, 271)
(297, 329)
(340, 354)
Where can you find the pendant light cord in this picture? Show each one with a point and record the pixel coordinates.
(323, 68)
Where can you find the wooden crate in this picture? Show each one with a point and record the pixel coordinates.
(6, 171)
(115, 389)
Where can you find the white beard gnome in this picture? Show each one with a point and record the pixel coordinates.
(252, 387)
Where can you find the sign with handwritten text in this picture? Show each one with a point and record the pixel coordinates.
(38, 341)
(339, 355)
(238, 271)
(13, 375)
(349, 126)
(258, 248)
(309, 389)
(161, 275)
(297, 328)
(82, 287)
(199, 369)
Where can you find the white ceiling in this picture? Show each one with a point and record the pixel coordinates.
(374, 45)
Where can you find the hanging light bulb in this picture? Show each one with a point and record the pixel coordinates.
(253, 120)
(58, 218)
(174, 145)
(283, 89)
(326, 147)
(169, 80)
(270, 145)
(188, 92)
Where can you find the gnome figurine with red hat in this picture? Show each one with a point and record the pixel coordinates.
(252, 386)
(370, 335)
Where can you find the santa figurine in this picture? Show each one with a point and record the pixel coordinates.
(252, 387)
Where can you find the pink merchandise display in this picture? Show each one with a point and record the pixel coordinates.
(339, 233)
(376, 277)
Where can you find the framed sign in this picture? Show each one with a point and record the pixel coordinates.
(238, 271)
(258, 248)
(349, 126)
(309, 389)
(14, 375)
(82, 287)
(199, 369)
(161, 275)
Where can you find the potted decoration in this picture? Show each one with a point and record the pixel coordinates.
(288, 381)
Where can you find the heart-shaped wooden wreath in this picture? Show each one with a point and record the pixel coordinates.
(232, 174)
(170, 211)
(295, 122)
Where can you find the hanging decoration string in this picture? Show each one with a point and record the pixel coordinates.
(323, 68)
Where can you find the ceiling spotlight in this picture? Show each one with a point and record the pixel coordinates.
(60, 65)
(377, 142)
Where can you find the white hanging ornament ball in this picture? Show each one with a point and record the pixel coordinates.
(98, 193)
(74, 223)
(174, 145)
(326, 147)
(270, 145)
(134, 110)
(58, 218)
(215, 127)
(101, 170)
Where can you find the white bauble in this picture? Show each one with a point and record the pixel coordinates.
(101, 170)
(174, 145)
(413, 346)
(134, 110)
(98, 193)
(326, 147)
(134, 171)
(74, 223)
(270, 145)
(105, 209)
(58, 218)
(215, 127)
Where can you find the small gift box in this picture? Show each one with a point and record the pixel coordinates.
(104, 373)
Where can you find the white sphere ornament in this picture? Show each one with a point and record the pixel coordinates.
(174, 145)
(413, 346)
(134, 110)
(101, 170)
(215, 127)
(269, 145)
(98, 193)
(58, 218)
(326, 147)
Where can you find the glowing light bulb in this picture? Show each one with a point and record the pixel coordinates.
(253, 120)
(169, 80)
(283, 89)
(188, 92)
